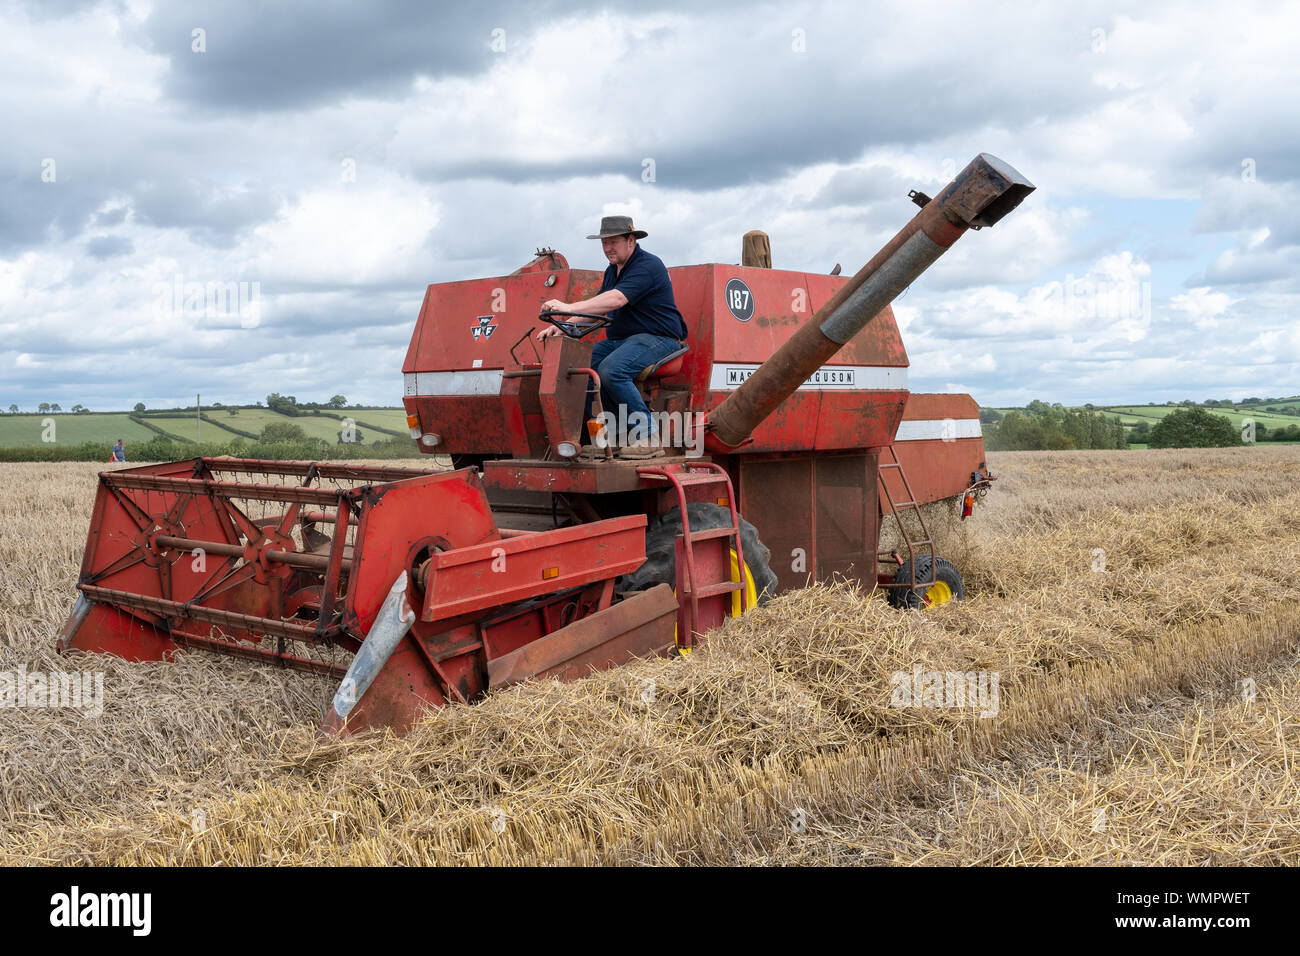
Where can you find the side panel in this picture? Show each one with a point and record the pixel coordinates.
(939, 443)
(846, 517)
(473, 324)
(817, 514)
(462, 343)
(855, 402)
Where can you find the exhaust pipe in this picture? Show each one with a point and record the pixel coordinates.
(984, 192)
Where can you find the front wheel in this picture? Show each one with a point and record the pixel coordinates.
(661, 556)
(947, 584)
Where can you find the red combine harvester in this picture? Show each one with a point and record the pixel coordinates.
(790, 440)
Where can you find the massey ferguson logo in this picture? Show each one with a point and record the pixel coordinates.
(484, 329)
(824, 377)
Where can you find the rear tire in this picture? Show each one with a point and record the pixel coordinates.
(947, 584)
(661, 555)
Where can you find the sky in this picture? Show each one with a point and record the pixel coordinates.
(324, 161)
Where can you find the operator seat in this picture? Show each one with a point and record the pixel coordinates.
(667, 366)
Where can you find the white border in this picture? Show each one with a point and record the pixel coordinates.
(477, 382)
(938, 429)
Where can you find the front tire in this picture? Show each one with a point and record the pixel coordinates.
(661, 555)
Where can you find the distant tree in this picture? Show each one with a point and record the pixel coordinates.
(337, 401)
(55, 407)
(78, 408)
(13, 409)
(232, 412)
(43, 407)
(1252, 401)
(282, 403)
(1194, 428)
(990, 416)
(139, 408)
(283, 431)
(1141, 433)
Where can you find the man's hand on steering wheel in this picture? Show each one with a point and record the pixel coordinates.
(551, 305)
(588, 323)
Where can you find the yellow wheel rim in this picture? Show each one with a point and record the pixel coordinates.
(751, 593)
(938, 593)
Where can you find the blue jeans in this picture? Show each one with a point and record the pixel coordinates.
(618, 362)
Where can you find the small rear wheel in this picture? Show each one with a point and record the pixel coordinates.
(946, 587)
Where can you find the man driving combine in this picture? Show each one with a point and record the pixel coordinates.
(645, 327)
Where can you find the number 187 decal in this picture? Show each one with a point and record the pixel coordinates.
(740, 301)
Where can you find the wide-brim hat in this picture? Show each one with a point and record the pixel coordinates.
(611, 226)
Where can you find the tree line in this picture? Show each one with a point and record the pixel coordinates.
(1044, 427)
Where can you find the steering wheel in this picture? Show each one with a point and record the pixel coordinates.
(572, 330)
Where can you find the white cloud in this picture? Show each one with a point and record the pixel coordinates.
(347, 235)
(1202, 305)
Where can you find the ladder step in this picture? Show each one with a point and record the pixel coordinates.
(710, 590)
(712, 533)
(693, 478)
(916, 546)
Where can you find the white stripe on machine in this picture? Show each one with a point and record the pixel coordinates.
(478, 382)
(729, 375)
(938, 429)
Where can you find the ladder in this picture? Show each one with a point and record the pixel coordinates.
(912, 545)
(691, 582)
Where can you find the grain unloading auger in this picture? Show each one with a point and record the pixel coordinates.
(416, 589)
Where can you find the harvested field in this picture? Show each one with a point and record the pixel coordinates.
(1120, 692)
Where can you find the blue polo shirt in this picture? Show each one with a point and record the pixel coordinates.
(650, 305)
